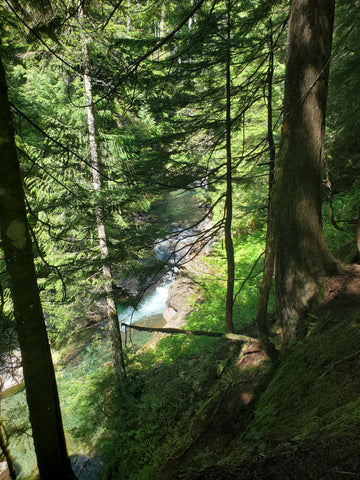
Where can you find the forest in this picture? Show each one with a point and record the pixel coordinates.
(180, 240)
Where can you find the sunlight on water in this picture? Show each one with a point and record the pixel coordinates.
(153, 303)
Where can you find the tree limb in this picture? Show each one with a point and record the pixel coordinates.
(229, 336)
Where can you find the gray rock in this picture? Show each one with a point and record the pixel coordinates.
(168, 314)
(86, 468)
(179, 294)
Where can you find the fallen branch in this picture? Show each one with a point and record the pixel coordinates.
(340, 361)
(229, 336)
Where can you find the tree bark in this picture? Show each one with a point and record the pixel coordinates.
(113, 321)
(358, 232)
(302, 257)
(265, 287)
(39, 375)
(229, 247)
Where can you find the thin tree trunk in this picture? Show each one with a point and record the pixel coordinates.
(358, 232)
(113, 321)
(229, 247)
(265, 287)
(128, 18)
(302, 258)
(191, 19)
(159, 32)
(39, 375)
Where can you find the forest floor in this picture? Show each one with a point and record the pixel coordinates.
(297, 420)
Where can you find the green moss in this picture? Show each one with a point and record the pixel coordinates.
(12, 391)
(16, 233)
(311, 401)
(346, 416)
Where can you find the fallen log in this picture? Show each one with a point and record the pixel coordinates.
(172, 331)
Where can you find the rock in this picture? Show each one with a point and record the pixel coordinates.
(168, 314)
(177, 225)
(4, 471)
(86, 468)
(179, 303)
(11, 373)
(179, 293)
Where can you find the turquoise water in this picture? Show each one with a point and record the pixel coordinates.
(14, 410)
(180, 207)
(74, 379)
(152, 304)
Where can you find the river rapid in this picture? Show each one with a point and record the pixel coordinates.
(179, 211)
(184, 217)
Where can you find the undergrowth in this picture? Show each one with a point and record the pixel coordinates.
(306, 422)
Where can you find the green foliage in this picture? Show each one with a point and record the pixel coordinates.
(312, 396)
(344, 87)
(210, 314)
(14, 411)
(342, 240)
(155, 414)
(160, 126)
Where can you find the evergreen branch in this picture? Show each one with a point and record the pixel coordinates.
(74, 13)
(32, 31)
(248, 157)
(190, 249)
(148, 54)
(196, 224)
(110, 16)
(56, 237)
(248, 276)
(34, 162)
(42, 256)
(59, 144)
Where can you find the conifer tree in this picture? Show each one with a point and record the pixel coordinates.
(41, 390)
(114, 328)
(303, 260)
(229, 247)
(264, 291)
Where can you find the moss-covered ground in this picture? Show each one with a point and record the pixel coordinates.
(299, 419)
(203, 408)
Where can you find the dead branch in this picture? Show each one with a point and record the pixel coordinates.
(172, 331)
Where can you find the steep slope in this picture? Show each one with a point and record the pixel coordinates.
(302, 418)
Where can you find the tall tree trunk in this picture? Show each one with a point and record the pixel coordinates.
(39, 375)
(159, 28)
(113, 321)
(229, 247)
(302, 257)
(128, 18)
(265, 287)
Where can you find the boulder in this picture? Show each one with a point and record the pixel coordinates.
(179, 293)
(168, 314)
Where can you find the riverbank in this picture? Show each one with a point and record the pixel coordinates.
(184, 293)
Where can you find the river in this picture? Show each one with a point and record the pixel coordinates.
(177, 211)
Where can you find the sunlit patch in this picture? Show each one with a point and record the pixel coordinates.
(246, 397)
